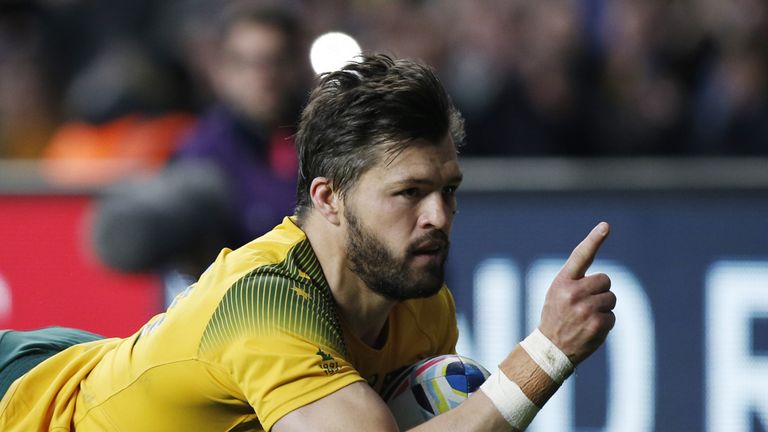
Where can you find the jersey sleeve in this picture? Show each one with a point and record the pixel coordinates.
(280, 340)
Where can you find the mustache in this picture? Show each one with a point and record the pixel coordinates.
(435, 239)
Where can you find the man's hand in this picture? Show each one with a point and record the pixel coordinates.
(577, 313)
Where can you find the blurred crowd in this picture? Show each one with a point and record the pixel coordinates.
(545, 77)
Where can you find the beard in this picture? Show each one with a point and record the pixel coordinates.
(392, 277)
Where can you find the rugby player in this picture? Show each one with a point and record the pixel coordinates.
(301, 328)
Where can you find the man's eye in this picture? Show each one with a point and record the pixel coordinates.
(450, 190)
(410, 192)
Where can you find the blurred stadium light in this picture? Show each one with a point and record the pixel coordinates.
(331, 51)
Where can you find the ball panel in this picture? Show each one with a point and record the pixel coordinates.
(454, 368)
(424, 401)
(458, 383)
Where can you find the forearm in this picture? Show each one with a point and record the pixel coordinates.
(534, 382)
(476, 414)
(525, 381)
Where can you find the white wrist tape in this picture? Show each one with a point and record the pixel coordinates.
(548, 356)
(510, 400)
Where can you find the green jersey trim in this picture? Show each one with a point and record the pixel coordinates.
(291, 296)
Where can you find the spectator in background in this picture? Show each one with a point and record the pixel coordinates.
(733, 109)
(258, 79)
(27, 103)
(241, 153)
(123, 118)
(731, 104)
(642, 94)
(533, 101)
(86, 64)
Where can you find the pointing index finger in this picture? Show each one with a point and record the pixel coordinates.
(583, 255)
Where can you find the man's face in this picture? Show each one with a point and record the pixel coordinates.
(399, 217)
(254, 72)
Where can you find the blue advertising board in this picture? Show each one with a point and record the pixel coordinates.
(689, 351)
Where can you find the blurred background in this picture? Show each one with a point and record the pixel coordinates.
(139, 137)
(555, 77)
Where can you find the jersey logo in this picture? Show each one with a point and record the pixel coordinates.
(328, 364)
(304, 275)
(301, 293)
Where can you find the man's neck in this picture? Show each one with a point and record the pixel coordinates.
(364, 311)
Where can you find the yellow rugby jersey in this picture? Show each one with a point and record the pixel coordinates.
(255, 338)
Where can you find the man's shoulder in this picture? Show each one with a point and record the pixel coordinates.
(284, 292)
(263, 265)
(283, 261)
(272, 248)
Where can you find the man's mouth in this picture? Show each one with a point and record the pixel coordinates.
(431, 248)
(434, 243)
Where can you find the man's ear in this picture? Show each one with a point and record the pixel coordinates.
(324, 199)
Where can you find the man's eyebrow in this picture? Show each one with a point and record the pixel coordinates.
(425, 181)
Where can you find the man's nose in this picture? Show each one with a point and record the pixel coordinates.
(436, 212)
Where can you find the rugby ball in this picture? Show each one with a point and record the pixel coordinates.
(431, 387)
